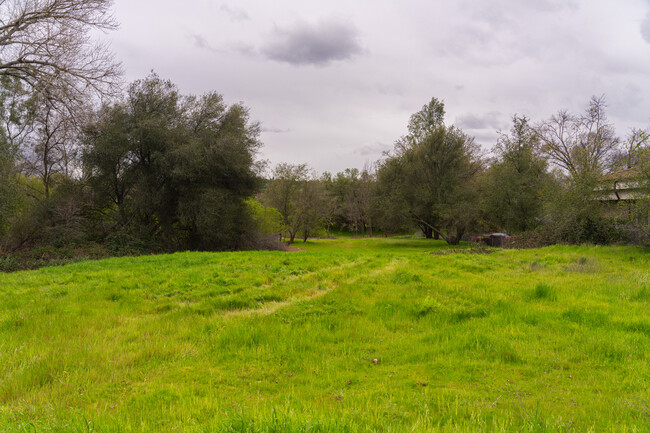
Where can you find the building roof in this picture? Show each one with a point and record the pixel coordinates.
(628, 173)
(621, 185)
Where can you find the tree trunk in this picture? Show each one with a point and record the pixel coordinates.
(455, 239)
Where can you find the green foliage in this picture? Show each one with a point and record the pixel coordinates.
(16, 110)
(301, 200)
(352, 195)
(575, 216)
(267, 219)
(640, 209)
(515, 182)
(434, 177)
(389, 205)
(177, 169)
(7, 185)
(427, 120)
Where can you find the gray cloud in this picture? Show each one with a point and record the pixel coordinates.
(492, 121)
(235, 14)
(200, 42)
(313, 44)
(275, 130)
(389, 89)
(243, 49)
(373, 149)
(645, 28)
(485, 139)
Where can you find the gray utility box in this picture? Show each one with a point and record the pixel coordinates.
(498, 239)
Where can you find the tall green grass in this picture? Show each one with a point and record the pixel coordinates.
(352, 335)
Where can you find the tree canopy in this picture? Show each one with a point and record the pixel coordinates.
(180, 166)
(432, 172)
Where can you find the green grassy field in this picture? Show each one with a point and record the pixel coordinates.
(347, 335)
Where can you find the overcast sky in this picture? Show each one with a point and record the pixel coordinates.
(334, 83)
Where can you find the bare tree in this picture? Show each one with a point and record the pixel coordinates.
(631, 150)
(47, 45)
(358, 200)
(49, 149)
(579, 143)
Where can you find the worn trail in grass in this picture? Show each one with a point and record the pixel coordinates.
(554, 339)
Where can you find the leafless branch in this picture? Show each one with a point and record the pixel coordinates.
(47, 45)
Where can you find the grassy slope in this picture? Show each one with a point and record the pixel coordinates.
(556, 339)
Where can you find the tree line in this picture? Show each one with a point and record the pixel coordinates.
(85, 161)
(160, 171)
(542, 181)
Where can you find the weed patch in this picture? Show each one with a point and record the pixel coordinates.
(543, 292)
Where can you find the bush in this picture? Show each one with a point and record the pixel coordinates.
(593, 230)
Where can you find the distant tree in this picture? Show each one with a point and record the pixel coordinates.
(389, 207)
(109, 162)
(13, 112)
(352, 192)
(640, 208)
(338, 187)
(580, 144)
(582, 147)
(516, 181)
(283, 193)
(215, 168)
(128, 156)
(331, 205)
(7, 184)
(362, 200)
(50, 147)
(421, 124)
(311, 207)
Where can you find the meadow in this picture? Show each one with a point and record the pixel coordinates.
(351, 335)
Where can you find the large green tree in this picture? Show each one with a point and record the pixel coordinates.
(433, 171)
(176, 168)
(516, 180)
